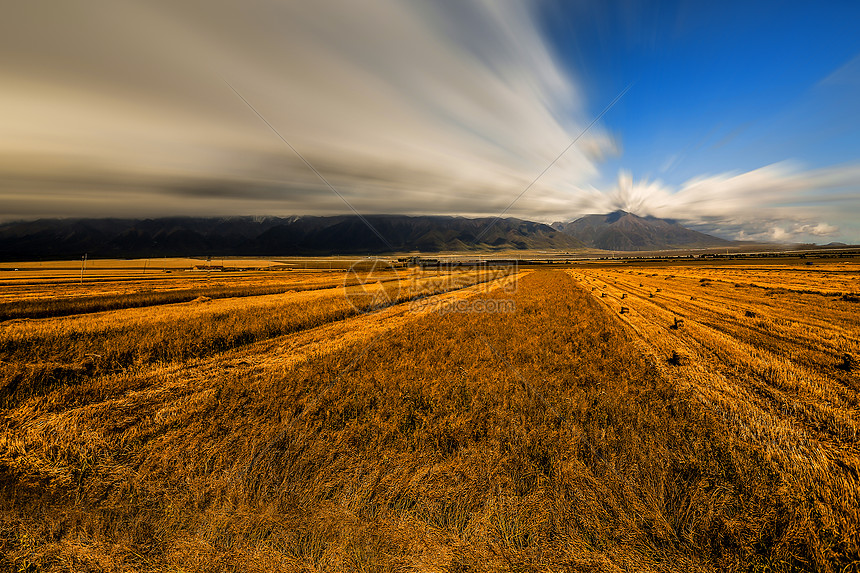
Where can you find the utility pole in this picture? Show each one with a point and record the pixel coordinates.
(83, 266)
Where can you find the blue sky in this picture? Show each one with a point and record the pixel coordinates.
(717, 86)
(741, 119)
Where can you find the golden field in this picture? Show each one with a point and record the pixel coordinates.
(629, 416)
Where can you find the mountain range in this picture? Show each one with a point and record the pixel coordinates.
(346, 234)
(270, 236)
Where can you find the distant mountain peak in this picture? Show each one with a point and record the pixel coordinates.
(615, 215)
(623, 231)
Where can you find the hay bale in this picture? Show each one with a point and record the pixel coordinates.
(87, 365)
(679, 322)
(848, 363)
(625, 310)
(201, 299)
(624, 295)
(678, 359)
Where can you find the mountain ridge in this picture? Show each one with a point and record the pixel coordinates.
(623, 231)
(337, 234)
(270, 236)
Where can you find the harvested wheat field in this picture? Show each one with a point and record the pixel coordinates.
(624, 417)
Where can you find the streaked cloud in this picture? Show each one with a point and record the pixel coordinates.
(119, 108)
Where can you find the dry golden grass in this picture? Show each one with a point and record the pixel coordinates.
(38, 355)
(770, 364)
(117, 279)
(75, 303)
(554, 438)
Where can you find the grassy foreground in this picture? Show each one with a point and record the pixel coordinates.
(539, 440)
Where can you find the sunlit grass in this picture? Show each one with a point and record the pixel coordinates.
(555, 437)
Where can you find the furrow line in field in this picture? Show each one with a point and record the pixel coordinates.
(727, 315)
(727, 372)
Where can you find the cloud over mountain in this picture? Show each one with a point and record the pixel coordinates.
(779, 202)
(120, 108)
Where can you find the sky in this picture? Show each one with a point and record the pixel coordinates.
(739, 119)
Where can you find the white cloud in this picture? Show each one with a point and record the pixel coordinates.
(778, 202)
